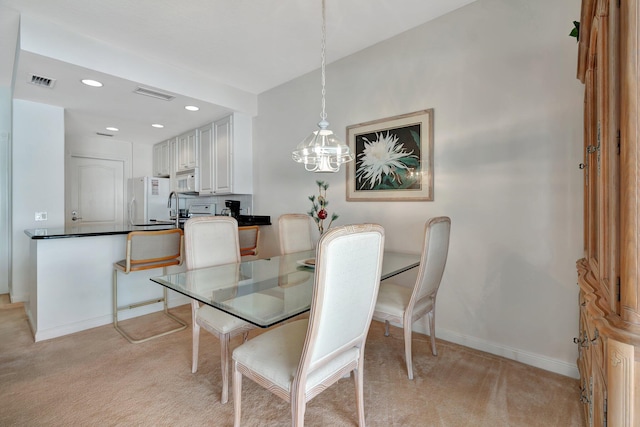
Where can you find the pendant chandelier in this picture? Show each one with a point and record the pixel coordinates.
(322, 151)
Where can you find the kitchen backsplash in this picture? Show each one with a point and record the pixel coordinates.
(246, 202)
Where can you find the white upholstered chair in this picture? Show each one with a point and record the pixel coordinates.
(212, 241)
(148, 250)
(302, 358)
(404, 305)
(295, 232)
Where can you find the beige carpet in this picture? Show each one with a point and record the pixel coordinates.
(96, 378)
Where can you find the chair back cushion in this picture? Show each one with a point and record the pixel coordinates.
(295, 233)
(434, 257)
(211, 241)
(347, 278)
(153, 249)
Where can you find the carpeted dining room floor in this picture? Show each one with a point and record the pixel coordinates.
(96, 378)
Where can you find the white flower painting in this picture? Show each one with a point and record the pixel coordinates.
(394, 158)
(384, 163)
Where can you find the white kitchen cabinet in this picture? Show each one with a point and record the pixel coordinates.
(233, 164)
(161, 159)
(223, 155)
(173, 162)
(188, 150)
(226, 164)
(206, 146)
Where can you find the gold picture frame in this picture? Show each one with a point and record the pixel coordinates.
(393, 159)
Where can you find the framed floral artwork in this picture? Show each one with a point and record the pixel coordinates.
(393, 158)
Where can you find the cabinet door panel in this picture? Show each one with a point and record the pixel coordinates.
(188, 151)
(223, 155)
(161, 160)
(206, 140)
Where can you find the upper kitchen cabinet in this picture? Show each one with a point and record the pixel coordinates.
(173, 162)
(226, 164)
(188, 150)
(206, 138)
(162, 159)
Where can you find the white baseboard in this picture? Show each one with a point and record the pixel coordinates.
(18, 298)
(532, 359)
(60, 331)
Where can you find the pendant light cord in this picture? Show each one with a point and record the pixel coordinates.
(323, 116)
(322, 150)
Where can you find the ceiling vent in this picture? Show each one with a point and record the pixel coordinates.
(153, 93)
(104, 134)
(42, 81)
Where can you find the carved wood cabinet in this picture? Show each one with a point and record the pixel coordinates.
(608, 276)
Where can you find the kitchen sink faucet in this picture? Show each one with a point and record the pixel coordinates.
(173, 193)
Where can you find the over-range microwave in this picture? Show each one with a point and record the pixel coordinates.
(188, 181)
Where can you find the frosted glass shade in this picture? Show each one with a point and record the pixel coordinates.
(322, 151)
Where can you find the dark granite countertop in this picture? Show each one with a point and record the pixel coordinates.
(106, 230)
(91, 230)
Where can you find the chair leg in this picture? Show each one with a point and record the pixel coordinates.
(224, 366)
(386, 328)
(432, 330)
(114, 283)
(183, 324)
(358, 376)
(195, 340)
(116, 309)
(407, 348)
(298, 408)
(237, 394)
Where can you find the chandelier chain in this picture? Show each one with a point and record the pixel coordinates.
(322, 150)
(323, 116)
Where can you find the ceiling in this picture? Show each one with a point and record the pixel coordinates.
(250, 45)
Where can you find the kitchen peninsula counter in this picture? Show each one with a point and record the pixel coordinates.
(106, 230)
(71, 275)
(92, 230)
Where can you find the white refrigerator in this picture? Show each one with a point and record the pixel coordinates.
(148, 197)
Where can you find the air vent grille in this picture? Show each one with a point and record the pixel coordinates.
(42, 81)
(153, 93)
(104, 134)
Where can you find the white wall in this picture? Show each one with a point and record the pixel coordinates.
(5, 188)
(38, 181)
(500, 75)
(143, 160)
(9, 24)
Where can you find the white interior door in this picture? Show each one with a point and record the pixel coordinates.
(96, 191)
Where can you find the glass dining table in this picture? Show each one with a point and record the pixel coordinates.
(265, 292)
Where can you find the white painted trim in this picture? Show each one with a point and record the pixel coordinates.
(60, 331)
(19, 298)
(532, 359)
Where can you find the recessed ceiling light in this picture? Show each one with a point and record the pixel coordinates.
(157, 125)
(93, 83)
(111, 128)
(191, 108)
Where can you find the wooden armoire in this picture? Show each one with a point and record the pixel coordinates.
(609, 275)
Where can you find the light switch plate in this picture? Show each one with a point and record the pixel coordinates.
(41, 216)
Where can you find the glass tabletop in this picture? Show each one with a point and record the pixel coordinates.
(265, 291)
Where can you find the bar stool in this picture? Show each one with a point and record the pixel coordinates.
(249, 235)
(147, 250)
